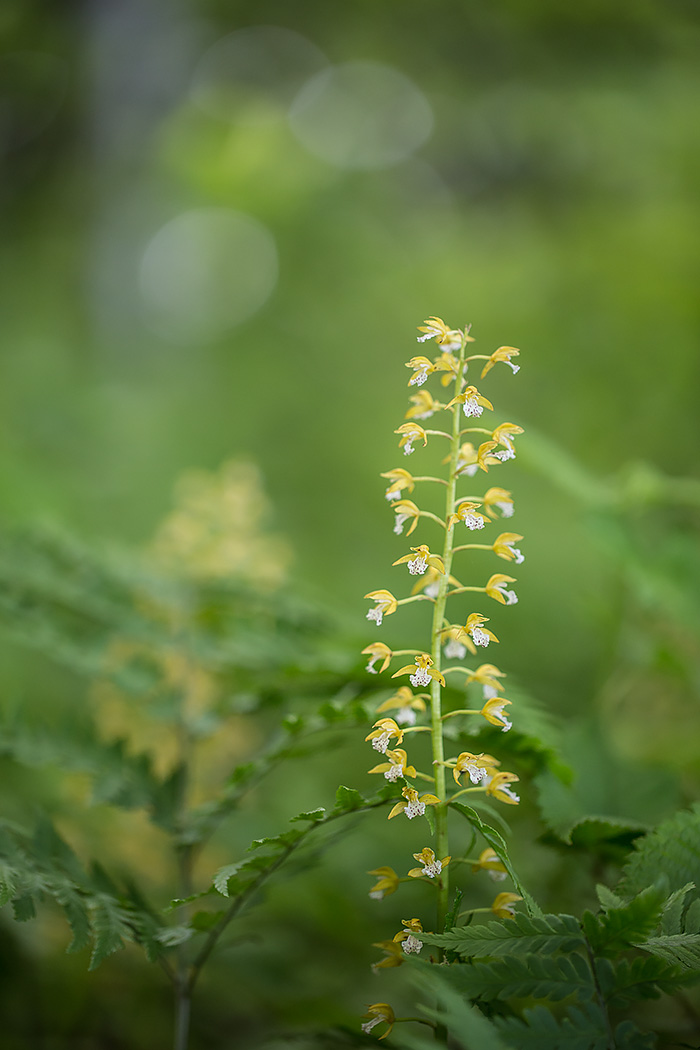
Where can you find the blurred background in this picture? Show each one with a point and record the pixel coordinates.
(222, 223)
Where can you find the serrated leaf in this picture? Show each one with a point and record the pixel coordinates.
(673, 848)
(682, 949)
(347, 799)
(671, 918)
(221, 879)
(23, 908)
(644, 977)
(607, 898)
(109, 929)
(546, 934)
(621, 927)
(583, 1028)
(171, 936)
(497, 843)
(539, 977)
(313, 815)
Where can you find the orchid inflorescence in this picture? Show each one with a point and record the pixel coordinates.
(474, 448)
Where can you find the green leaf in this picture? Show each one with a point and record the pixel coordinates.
(682, 949)
(621, 928)
(23, 908)
(539, 977)
(583, 1028)
(109, 928)
(644, 977)
(607, 898)
(467, 1025)
(171, 936)
(314, 815)
(221, 880)
(545, 935)
(671, 918)
(497, 843)
(673, 849)
(347, 799)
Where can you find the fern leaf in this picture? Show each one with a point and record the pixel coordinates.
(583, 1028)
(644, 977)
(682, 949)
(620, 928)
(541, 977)
(518, 936)
(109, 928)
(673, 848)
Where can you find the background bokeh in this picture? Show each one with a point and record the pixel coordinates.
(223, 221)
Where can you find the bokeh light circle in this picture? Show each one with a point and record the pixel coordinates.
(251, 76)
(205, 272)
(362, 115)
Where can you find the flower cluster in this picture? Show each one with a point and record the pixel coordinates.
(475, 447)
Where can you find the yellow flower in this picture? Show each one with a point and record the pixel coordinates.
(429, 583)
(467, 462)
(465, 512)
(414, 806)
(488, 860)
(496, 588)
(421, 671)
(405, 704)
(500, 499)
(424, 405)
(409, 943)
(377, 651)
(503, 905)
(382, 733)
(487, 676)
(493, 712)
(412, 432)
(504, 432)
(422, 367)
(503, 547)
(385, 605)
(498, 785)
(396, 767)
(486, 457)
(449, 365)
(435, 328)
(472, 402)
(431, 866)
(504, 354)
(400, 480)
(393, 957)
(419, 561)
(405, 509)
(475, 627)
(477, 766)
(456, 643)
(388, 882)
(378, 1013)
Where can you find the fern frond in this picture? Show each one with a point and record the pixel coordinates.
(519, 936)
(520, 977)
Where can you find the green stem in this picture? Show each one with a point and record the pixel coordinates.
(441, 829)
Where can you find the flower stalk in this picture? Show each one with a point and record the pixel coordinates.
(449, 640)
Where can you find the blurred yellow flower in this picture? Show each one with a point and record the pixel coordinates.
(504, 354)
(377, 651)
(488, 860)
(386, 604)
(496, 588)
(411, 432)
(388, 883)
(378, 1013)
(503, 905)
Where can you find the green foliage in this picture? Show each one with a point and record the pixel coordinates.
(672, 848)
(558, 982)
(522, 934)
